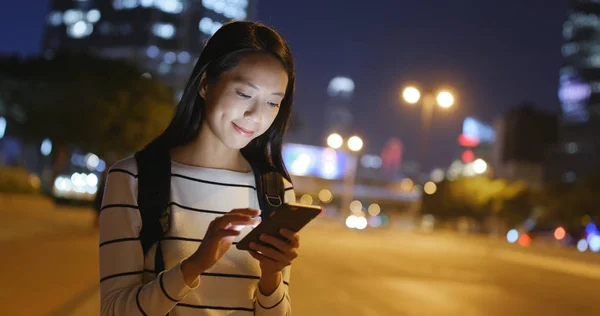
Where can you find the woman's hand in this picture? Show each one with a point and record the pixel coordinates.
(219, 236)
(272, 260)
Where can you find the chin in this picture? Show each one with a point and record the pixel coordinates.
(237, 143)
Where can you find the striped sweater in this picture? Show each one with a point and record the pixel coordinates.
(128, 283)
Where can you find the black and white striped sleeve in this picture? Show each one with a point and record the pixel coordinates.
(279, 302)
(121, 256)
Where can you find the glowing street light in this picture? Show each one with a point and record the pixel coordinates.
(480, 166)
(335, 141)
(430, 187)
(445, 99)
(355, 143)
(411, 95)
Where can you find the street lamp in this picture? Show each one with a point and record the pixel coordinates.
(443, 99)
(354, 145)
(480, 166)
(335, 141)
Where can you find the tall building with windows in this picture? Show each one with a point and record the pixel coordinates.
(579, 84)
(578, 149)
(164, 37)
(338, 115)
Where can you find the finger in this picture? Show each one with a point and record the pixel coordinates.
(292, 236)
(276, 242)
(222, 233)
(260, 257)
(235, 219)
(271, 253)
(255, 255)
(248, 211)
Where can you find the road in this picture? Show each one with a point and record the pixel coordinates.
(52, 261)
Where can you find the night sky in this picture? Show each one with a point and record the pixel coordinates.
(493, 53)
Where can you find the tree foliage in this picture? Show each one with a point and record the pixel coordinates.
(90, 103)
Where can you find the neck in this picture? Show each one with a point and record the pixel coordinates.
(207, 151)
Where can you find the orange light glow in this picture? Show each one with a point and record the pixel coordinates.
(559, 233)
(524, 240)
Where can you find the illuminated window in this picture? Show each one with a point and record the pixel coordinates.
(208, 26)
(593, 61)
(170, 57)
(169, 6)
(184, 57)
(571, 148)
(164, 68)
(568, 30)
(163, 30)
(80, 29)
(570, 49)
(93, 16)
(72, 16)
(55, 18)
(233, 9)
(586, 20)
(152, 51)
(125, 4)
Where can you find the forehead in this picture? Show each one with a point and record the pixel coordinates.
(262, 70)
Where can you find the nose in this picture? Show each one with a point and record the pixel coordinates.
(252, 112)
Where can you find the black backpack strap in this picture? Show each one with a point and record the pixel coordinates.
(270, 191)
(154, 186)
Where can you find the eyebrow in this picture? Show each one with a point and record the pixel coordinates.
(251, 85)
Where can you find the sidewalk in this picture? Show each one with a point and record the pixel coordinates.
(49, 253)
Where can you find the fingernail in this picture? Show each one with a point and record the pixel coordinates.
(263, 236)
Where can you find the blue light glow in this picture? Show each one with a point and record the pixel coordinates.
(512, 236)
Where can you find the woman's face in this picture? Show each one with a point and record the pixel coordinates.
(244, 101)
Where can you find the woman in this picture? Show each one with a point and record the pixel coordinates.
(233, 114)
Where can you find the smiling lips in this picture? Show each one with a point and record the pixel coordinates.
(242, 130)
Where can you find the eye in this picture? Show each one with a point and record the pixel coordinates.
(273, 104)
(242, 95)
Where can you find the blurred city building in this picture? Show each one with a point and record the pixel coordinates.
(578, 150)
(475, 143)
(319, 175)
(523, 136)
(338, 113)
(163, 37)
(476, 140)
(579, 86)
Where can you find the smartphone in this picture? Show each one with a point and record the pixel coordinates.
(291, 216)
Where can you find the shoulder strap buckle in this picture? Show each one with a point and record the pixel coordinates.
(273, 200)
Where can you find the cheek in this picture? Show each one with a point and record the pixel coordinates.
(268, 120)
(224, 108)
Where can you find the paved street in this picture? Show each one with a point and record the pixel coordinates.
(340, 272)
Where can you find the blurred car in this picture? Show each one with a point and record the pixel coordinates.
(79, 188)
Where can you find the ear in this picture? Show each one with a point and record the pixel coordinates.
(203, 86)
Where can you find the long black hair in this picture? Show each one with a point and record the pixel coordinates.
(223, 52)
